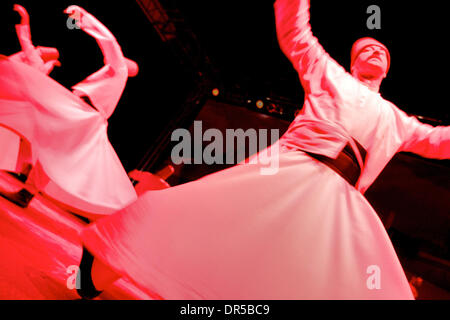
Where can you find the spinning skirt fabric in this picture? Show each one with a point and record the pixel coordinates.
(302, 233)
(76, 163)
(9, 149)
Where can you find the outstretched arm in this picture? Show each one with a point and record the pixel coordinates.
(111, 50)
(423, 139)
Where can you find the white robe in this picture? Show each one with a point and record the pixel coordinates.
(9, 149)
(302, 233)
(76, 164)
(13, 151)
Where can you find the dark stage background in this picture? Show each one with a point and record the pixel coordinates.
(238, 40)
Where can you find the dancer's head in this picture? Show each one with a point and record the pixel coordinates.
(133, 68)
(370, 60)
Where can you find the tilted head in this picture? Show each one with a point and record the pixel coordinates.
(370, 59)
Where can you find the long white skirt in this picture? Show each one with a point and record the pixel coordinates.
(303, 233)
(73, 159)
(9, 149)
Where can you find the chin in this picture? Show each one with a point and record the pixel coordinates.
(372, 76)
(373, 73)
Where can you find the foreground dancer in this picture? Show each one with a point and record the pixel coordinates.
(306, 232)
(76, 164)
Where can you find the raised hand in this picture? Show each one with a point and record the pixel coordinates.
(80, 15)
(23, 14)
(50, 65)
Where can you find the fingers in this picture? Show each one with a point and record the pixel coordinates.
(49, 66)
(19, 9)
(140, 175)
(23, 13)
(136, 175)
(80, 15)
(47, 53)
(70, 9)
(74, 10)
(166, 172)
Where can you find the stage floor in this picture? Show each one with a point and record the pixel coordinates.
(39, 251)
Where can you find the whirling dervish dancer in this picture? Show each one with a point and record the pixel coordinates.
(76, 164)
(306, 232)
(15, 154)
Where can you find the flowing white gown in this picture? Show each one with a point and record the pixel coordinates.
(75, 162)
(13, 151)
(301, 233)
(9, 149)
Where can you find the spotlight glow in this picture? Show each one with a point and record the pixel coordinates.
(259, 104)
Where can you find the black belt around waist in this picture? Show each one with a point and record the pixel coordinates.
(346, 164)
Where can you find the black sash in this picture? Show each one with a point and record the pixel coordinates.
(346, 164)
